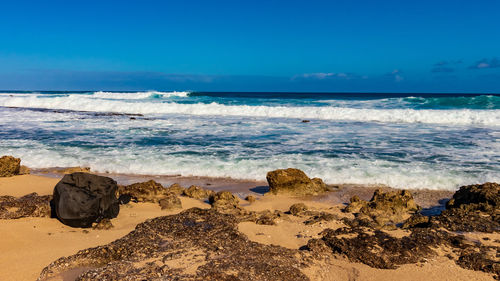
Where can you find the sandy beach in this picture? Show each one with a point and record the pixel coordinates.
(30, 244)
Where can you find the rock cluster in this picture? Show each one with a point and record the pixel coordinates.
(196, 244)
(153, 192)
(473, 208)
(31, 205)
(294, 182)
(9, 166)
(385, 209)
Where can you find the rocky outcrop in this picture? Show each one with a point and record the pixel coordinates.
(176, 189)
(224, 200)
(31, 205)
(294, 182)
(9, 166)
(149, 191)
(197, 192)
(473, 208)
(385, 209)
(80, 199)
(159, 248)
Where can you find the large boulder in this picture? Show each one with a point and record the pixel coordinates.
(294, 182)
(9, 166)
(81, 199)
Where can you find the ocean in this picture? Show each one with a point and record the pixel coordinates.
(433, 141)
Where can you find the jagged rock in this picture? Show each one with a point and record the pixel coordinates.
(31, 205)
(481, 197)
(176, 188)
(250, 199)
(298, 209)
(472, 208)
(9, 166)
(385, 209)
(224, 200)
(197, 192)
(149, 191)
(81, 199)
(209, 239)
(170, 202)
(294, 182)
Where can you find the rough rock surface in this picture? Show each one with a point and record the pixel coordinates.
(170, 202)
(363, 241)
(385, 209)
(226, 203)
(294, 182)
(472, 208)
(224, 200)
(31, 205)
(197, 192)
(80, 199)
(176, 189)
(9, 166)
(149, 191)
(197, 244)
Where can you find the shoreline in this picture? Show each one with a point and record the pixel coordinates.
(427, 198)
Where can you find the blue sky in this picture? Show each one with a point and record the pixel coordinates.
(393, 46)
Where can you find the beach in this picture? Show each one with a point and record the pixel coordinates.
(30, 244)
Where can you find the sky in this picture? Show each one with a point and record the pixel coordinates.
(317, 46)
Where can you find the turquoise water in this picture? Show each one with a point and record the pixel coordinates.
(436, 141)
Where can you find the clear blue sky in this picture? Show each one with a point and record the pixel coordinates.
(355, 45)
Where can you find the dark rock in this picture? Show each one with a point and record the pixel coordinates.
(472, 208)
(197, 192)
(170, 202)
(81, 199)
(417, 220)
(294, 182)
(206, 236)
(482, 197)
(9, 166)
(31, 205)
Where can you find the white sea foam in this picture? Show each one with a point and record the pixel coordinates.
(356, 171)
(86, 103)
(136, 95)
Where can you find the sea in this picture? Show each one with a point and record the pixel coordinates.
(413, 141)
